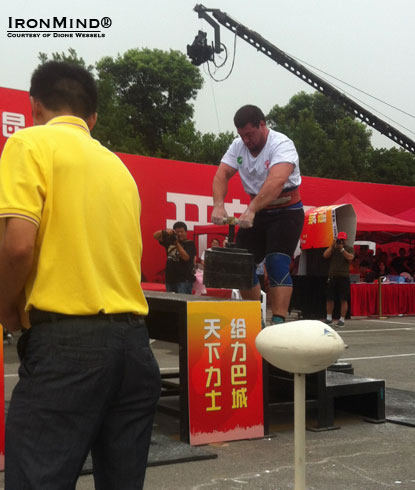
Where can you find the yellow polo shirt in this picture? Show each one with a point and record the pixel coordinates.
(86, 206)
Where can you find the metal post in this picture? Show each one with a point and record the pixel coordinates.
(299, 431)
(380, 296)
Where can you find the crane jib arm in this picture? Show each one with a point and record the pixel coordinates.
(297, 69)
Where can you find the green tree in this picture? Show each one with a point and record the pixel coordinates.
(70, 57)
(145, 94)
(393, 166)
(190, 145)
(145, 108)
(330, 142)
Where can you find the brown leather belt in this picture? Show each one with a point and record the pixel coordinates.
(286, 198)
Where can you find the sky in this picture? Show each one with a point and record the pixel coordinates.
(366, 43)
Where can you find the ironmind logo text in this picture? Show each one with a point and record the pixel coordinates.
(59, 23)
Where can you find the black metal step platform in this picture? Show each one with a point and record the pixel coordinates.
(331, 390)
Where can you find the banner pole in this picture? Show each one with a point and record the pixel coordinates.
(380, 297)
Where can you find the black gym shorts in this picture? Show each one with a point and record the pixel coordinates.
(275, 230)
(338, 287)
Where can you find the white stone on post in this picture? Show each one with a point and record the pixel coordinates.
(301, 347)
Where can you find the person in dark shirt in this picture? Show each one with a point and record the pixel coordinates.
(380, 269)
(340, 256)
(400, 263)
(181, 254)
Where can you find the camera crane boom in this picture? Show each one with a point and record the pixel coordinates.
(200, 52)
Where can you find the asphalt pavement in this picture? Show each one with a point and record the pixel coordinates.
(359, 455)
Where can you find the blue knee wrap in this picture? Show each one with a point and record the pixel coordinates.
(278, 269)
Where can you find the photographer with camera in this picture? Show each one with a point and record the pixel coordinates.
(338, 284)
(181, 254)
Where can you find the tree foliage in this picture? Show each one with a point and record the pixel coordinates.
(333, 144)
(145, 107)
(330, 143)
(190, 145)
(394, 166)
(150, 90)
(70, 57)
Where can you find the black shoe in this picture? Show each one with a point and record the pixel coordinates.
(340, 324)
(328, 322)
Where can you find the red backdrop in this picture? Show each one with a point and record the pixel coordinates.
(178, 191)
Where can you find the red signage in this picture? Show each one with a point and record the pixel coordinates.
(179, 191)
(173, 191)
(15, 112)
(225, 371)
(322, 224)
(319, 227)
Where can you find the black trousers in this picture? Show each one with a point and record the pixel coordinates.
(86, 383)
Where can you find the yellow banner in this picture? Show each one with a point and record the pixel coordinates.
(225, 371)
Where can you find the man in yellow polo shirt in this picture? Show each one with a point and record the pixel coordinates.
(71, 245)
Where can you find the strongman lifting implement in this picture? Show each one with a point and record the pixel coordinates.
(229, 267)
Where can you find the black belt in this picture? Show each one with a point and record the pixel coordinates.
(40, 316)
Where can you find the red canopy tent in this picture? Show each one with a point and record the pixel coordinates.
(408, 215)
(378, 227)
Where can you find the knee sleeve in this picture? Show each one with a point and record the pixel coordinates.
(278, 269)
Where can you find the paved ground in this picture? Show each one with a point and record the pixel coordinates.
(359, 456)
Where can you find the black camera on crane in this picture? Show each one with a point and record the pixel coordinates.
(199, 52)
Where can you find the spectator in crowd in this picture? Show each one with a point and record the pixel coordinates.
(214, 243)
(181, 254)
(391, 257)
(384, 257)
(411, 261)
(380, 270)
(399, 264)
(366, 273)
(340, 256)
(72, 247)
(378, 255)
(354, 267)
(364, 253)
(198, 286)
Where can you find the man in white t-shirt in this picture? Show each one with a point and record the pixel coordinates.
(270, 227)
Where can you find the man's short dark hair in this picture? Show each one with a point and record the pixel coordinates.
(179, 224)
(248, 114)
(60, 85)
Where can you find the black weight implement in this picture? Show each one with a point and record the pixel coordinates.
(229, 267)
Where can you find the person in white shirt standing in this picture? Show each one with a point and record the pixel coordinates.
(270, 227)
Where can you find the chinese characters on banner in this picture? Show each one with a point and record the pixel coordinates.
(225, 371)
(15, 113)
(320, 226)
(11, 122)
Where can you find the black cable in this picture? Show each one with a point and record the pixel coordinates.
(224, 61)
(232, 66)
(355, 88)
(363, 102)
